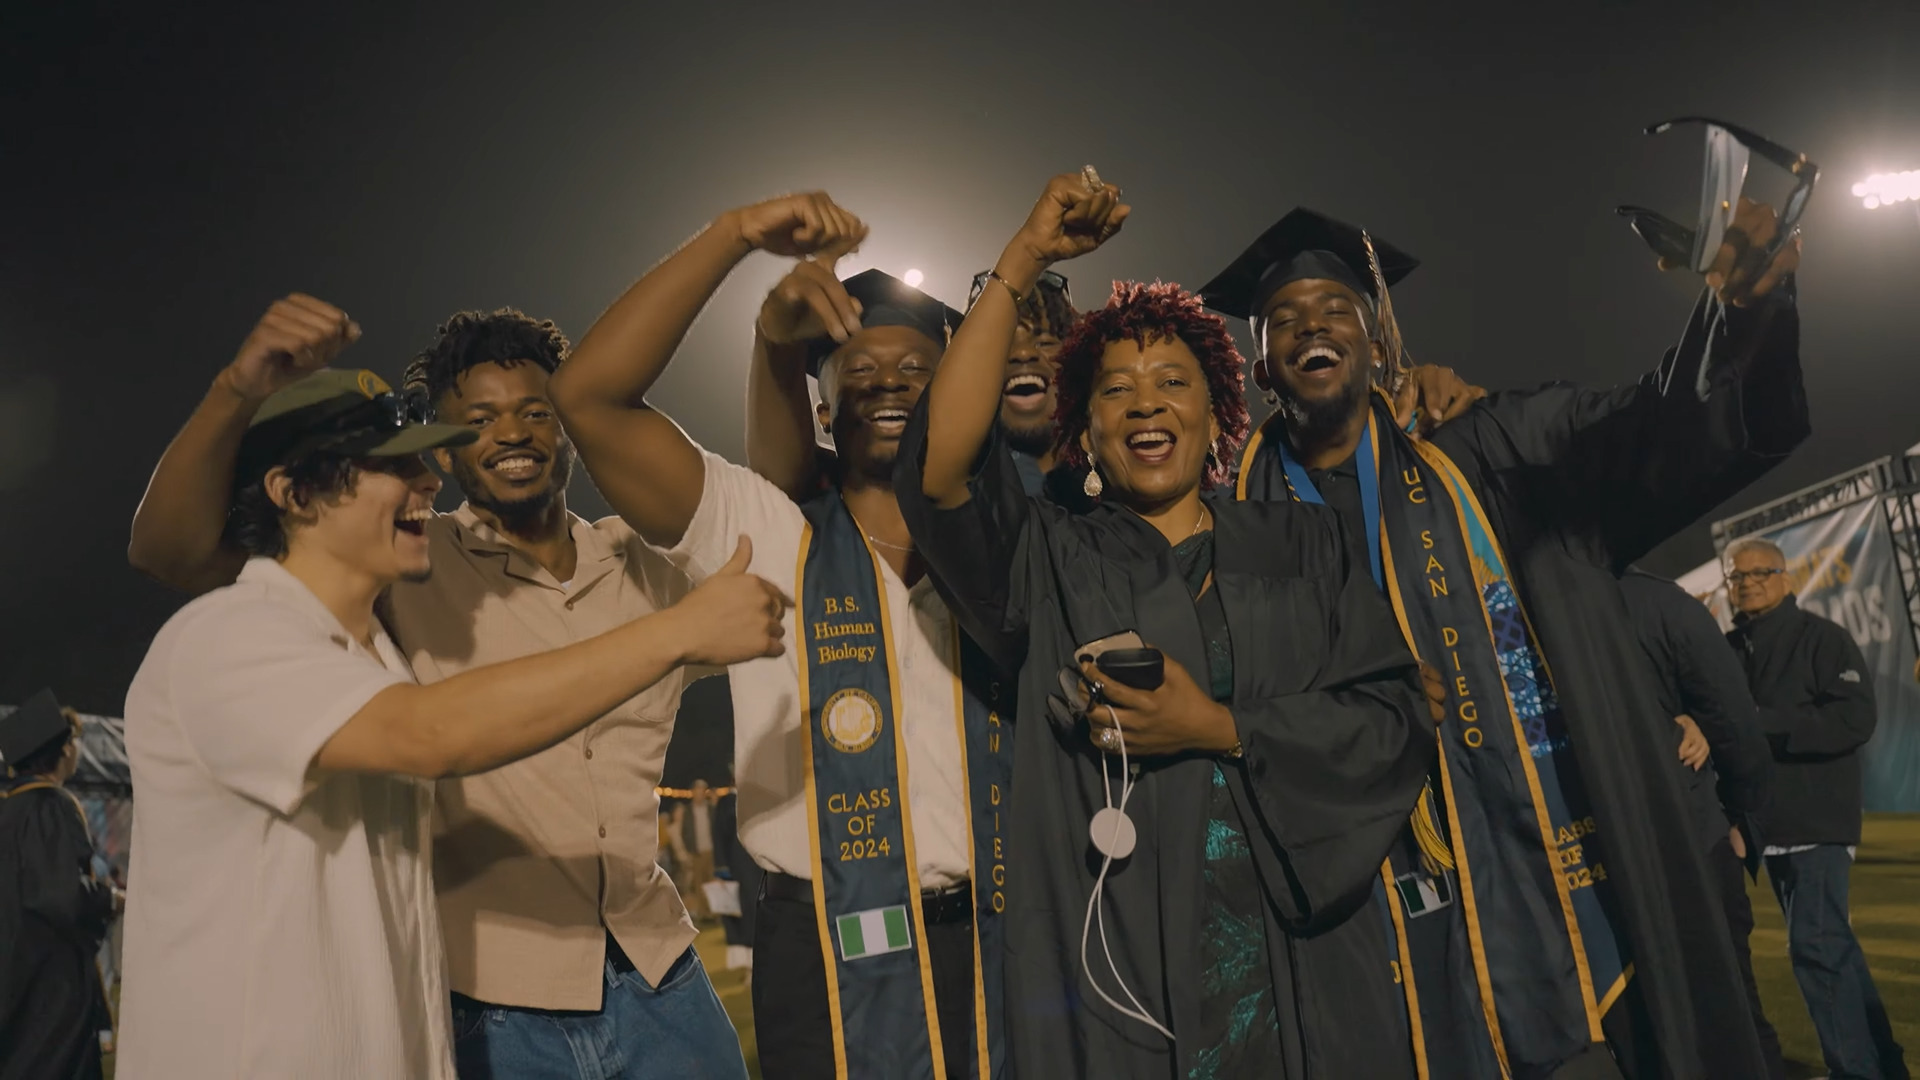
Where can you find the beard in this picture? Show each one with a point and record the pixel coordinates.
(521, 516)
(1310, 421)
(1033, 440)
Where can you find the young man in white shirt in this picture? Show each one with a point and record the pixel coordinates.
(281, 915)
(865, 763)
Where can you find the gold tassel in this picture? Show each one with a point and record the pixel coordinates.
(1435, 855)
(1386, 328)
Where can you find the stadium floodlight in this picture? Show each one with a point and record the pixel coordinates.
(1885, 189)
(914, 278)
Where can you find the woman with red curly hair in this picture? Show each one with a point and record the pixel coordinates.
(1194, 825)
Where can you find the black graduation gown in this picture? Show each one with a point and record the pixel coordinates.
(53, 914)
(1336, 744)
(1577, 484)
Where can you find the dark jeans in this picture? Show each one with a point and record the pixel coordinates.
(675, 1031)
(1732, 876)
(1829, 966)
(791, 1020)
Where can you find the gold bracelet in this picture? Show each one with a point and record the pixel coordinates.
(1019, 299)
(1236, 753)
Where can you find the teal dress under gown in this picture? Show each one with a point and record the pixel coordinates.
(1239, 1029)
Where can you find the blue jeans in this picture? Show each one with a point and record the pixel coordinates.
(676, 1030)
(1829, 966)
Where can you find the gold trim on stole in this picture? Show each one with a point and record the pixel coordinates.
(1476, 942)
(813, 808)
(1440, 461)
(921, 954)
(973, 866)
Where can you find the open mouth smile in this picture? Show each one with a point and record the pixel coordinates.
(516, 466)
(1153, 446)
(1026, 392)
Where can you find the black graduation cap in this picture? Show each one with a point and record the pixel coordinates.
(1304, 244)
(30, 727)
(885, 300)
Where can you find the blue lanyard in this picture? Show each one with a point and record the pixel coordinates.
(1368, 468)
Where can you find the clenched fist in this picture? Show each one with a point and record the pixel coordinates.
(1073, 217)
(297, 336)
(809, 303)
(800, 226)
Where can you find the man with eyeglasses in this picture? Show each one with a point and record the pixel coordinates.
(1816, 709)
(568, 950)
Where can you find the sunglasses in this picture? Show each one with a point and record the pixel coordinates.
(409, 406)
(1049, 281)
(1728, 147)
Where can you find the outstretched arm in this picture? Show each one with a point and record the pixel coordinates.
(642, 462)
(177, 531)
(1072, 218)
(1635, 464)
(301, 706)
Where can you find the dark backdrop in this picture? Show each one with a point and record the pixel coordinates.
(166, 174)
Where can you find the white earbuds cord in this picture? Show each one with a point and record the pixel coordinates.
(1139, 1011)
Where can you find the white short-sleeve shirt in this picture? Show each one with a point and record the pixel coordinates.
(280, 921)
(767, 763)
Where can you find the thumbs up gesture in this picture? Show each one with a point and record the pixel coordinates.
(733, 616)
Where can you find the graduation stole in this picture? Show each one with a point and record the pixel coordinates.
(1511, 796)
(866, 882)
(7, 792)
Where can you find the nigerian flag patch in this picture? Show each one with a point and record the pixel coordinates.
(873, 932)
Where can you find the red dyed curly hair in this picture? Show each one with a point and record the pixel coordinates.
(1142, 313)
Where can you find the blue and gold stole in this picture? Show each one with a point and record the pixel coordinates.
(1507, 853)
(866, 881)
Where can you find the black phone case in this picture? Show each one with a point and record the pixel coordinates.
(1142, 669)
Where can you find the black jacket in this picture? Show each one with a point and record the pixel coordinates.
(1816, 710)
(1702, 678)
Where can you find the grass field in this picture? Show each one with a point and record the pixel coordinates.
(1886, 919)
(1886, 916)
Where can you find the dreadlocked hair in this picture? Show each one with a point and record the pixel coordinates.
(1048, 311)
(507, 337)
(1144, 313)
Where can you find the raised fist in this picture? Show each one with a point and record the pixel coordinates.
(801, 225)
(1075, 215)
(296, 337)
(809, 303)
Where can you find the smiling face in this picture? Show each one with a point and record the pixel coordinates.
(1316, 353)
(1150, 422)
(519, 467)
(1759, 581)
(875, 379)
(376, 527)
(1028, 397)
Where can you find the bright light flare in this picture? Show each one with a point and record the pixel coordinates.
(1885, 189)
(914, 278)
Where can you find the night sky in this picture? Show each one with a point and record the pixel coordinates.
(166, 176)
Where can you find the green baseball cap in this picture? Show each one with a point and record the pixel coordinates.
(346, 412)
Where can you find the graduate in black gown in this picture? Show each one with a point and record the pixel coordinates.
(1272, 767)
(53, 910)
(1552, 917)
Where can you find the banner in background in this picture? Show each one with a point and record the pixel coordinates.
(1842, 567)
